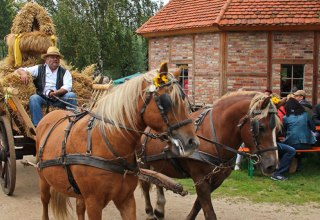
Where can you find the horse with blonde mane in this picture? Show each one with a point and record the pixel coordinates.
(239, 117)
(91, 155)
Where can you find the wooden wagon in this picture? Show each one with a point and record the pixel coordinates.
(17, 133)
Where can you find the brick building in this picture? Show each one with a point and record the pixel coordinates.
(225, 45)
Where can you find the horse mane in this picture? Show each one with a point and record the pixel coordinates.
(236, 94)
(121, 103)
(256, 99)
(256, 102)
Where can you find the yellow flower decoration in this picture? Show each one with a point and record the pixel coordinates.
(160, 79)
(275, 100)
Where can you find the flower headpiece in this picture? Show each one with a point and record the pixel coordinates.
(275, 99)
(160, 79)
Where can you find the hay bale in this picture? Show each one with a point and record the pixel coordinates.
(81, 85)
(32, 43)
(89, 70)
(33, 17)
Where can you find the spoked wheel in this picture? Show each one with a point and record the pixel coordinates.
(7, 157)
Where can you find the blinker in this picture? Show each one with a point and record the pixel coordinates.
(272, 122)
(255, 127)
(165, 102)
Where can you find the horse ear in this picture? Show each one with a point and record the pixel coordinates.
(265, 102)
(164, 67)
(176, 73)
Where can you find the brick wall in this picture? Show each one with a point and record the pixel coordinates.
(292, 45)
(246, 61)
(246, 66)
(206, 68)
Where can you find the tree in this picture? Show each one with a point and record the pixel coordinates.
(6, 16)
(102, 32)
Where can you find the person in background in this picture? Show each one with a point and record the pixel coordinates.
(267, 92)
(286, 154)
(300, 95)
(298, 127)
(51, 80)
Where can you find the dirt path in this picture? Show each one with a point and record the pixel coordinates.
(25, 204)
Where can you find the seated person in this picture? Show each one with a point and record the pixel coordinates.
(51, 80)
(298, 127)
(286, 153)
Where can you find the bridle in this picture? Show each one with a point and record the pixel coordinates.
(164, 104)
(254, 130)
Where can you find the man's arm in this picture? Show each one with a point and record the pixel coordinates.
(58, 93)
(23, 75)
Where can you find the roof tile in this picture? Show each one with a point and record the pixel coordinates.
(184, 14)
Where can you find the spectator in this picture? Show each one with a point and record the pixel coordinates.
(267, 92)
(286, 153)
(316, 115)
(298, 127)
(300, 95)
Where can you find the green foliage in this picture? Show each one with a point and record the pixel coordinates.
(102, 32)
(6, 15)
(301, 188)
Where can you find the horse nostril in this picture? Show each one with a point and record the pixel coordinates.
(193, 142)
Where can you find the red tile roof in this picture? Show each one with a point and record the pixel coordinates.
(187, 14)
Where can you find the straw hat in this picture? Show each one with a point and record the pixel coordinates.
(52, 51)
(300, 93)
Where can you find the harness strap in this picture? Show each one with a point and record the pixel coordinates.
(196, 155)
(89, 135)
(104, 137)
(198, 121)
(89, 160)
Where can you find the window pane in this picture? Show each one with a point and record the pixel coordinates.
(291, 78)
(286, 71)
(297, 84)
(297, 71)
(184, 77)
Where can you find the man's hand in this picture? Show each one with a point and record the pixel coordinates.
(24, 76)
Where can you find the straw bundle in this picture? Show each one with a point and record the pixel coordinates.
(81, 85)
(32, 43)
(33, 17)
(14, 80)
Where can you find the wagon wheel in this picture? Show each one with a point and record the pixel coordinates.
(7, 157)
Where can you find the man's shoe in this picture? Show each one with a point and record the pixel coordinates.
(278, 177)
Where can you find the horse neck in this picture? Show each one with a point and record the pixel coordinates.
(226, 117)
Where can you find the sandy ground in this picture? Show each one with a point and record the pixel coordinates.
(25, 204)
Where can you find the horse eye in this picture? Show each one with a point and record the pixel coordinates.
(262, 128)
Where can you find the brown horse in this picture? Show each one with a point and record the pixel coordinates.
(91, 155)
(247, 117)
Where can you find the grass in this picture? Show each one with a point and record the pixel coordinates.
(301, 188)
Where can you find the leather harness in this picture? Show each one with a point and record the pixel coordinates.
(196, 155)
(118, 165)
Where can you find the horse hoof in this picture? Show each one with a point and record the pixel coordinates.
(159, 214)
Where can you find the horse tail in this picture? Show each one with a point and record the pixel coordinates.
(58, 204)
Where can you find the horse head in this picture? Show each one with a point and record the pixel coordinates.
(258, 132)
(165, 111)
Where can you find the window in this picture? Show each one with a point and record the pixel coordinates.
(291, 78)
(184, 77)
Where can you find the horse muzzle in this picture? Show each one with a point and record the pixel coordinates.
(184, 149)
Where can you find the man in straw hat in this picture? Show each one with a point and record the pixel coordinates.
(51, 80)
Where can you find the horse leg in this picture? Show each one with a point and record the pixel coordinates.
(45, 198)
(161, 201)
(145, 186)
(203, 201)
(94, 208)
(80, 208)
(127, 207)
